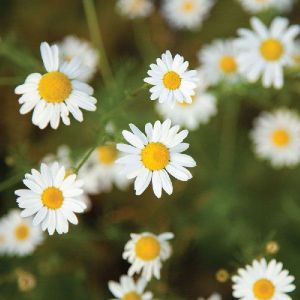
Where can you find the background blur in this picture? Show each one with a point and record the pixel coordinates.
(222, 218)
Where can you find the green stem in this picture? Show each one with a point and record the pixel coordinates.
(9, 182)
(84, 159)
(96, 37)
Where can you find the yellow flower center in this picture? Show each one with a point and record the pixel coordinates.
(155, 156)
(52, 198)
(131, 296)
(172, 80)
(136, 6)
(228, 64)
(263, 289)
(55, 87)
(22, 232)
(271, 49)
(147, 248)
(187, 6)
(280, 137)
(107, 154)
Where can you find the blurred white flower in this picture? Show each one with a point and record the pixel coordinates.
(263, 280)
(256, 6)
(188, 14)
(265, 52)
(135, 8)
(152, 157)
(214, 296)
(171, 80)
(58, 92)
(72, 46)
(146, 252)
(276, 137)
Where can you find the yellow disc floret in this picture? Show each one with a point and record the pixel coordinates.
(55, 87)
(52, 198)
(263, 289)
(228, 64)
(22, 232)
(172, 80)
(280, 138)
(188, 6)
(131, 296)
(155, 156)
(107, 154)
(147, 248)
(271, 49)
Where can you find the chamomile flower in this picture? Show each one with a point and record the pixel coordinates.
(3, 239)
(171, 80)
(219, 61)
(21, 237)
(72, 46)
(276, 137)
(146, 252)
(128, 289)
(263, 280)
(152, 156)
(135, 8)
(188, 14)
(214, 296)
(52, 197)
(256, 6)
(265, 52)
(200, 111)
(55, 94)
(100, 172)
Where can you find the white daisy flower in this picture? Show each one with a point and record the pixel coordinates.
(265, 52)
(188, 14)
(135, 8)
(3, 238)
(219, 61)
(256, 6)
(21, 238)
(54, 94)
(128, 289)
(63, 157)
(71, 46)
(171, 79)
(276, 137)
(146, 252)
(214, 296)
(52, 197)
(200, 111)
(262, 280)
(154, 155)
(100, 172)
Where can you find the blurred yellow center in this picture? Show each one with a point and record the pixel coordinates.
(228, 64)
(52, 198)
(187, 6)
(136, 5)
(172, 80)
(55, 87)
(147, 248)
(22, 232)
(185, 104)
(155, 156)
(263, 289)
(271, 49)
(107, 154)
(280, 137)
(131, 296)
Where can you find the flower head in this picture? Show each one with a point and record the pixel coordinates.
(256, 6)
(135, 8)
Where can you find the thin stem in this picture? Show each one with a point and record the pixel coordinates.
(84, 159)
(9, 182)
(96, 36)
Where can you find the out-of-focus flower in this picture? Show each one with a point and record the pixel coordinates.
(266, 51)
(135, 8)
(171, 80)
(188, 14)
(26, 281)
(219, 61)
(52, 197)
(19, 237)
(128, 289)
(154, 155)
(57, 93)
(272, 247)
(100, 172)
(200, 111)
(72, 46)
(276, 137)
(214, 296)
(263, 280)
(296, 54)
(222, 275)
(256, 6)
(146, 252)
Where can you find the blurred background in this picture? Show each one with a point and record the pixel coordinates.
(222, 219)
